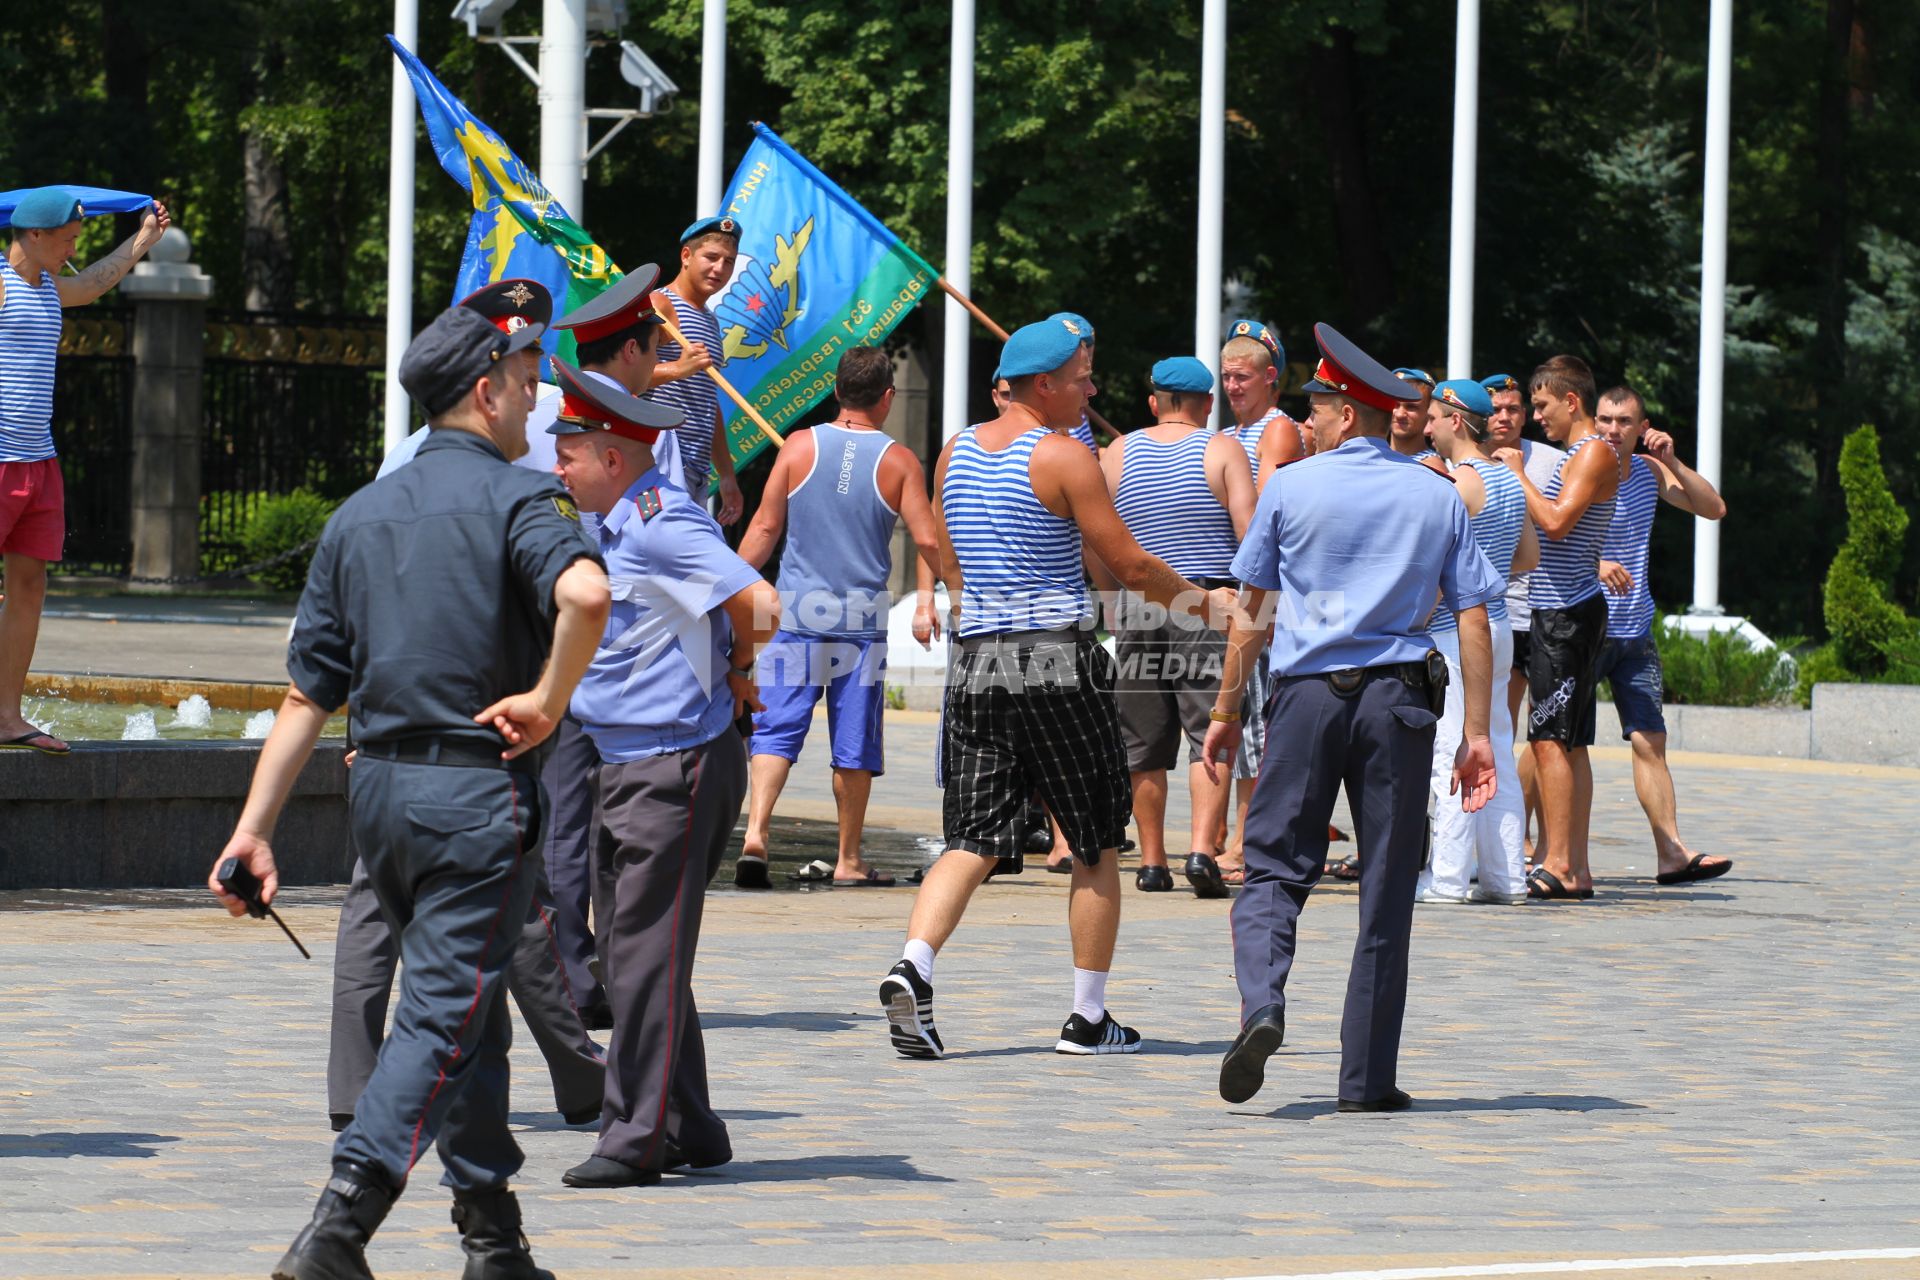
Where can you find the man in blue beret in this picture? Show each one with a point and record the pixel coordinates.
(33, 508)
(1083, 432)
(1029, 702)
(708, 248)
(1185, 493)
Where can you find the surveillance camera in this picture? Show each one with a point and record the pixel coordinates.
(657, 89)
(481, 15)
(606, 17)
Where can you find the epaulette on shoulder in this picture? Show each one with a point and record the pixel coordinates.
(1439, 469)
(648, 502)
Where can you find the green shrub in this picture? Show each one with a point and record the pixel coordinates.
(1820, 666)
(1720, 669)
(1868, 628)
(281, 524)
(224, 516)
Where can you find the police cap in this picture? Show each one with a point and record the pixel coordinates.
(512, 304)
(1346, 370)
(459, 348)
(623, 304)
(587, 404)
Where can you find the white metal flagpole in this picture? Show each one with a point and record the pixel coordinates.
(1212, 192)
(563, 101)
(1466, 159)
(953, 399)
(1713, 295)
(713, 104)
(399, 414)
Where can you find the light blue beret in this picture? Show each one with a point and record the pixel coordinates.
(46, 208)
(1183, 373)
(718, 224)
(1465, 394)
(1084, 325)
(1040, 347)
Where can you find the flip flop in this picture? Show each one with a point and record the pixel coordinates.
(1694, 870)
(1064, 867)
(1544, 884)
(31, 741)
(1233, 877)
(874, 879)
(1346, 869)
(816, 872)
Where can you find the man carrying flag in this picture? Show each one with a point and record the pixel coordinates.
(708, 249)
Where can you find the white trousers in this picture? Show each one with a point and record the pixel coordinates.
(1494, 836)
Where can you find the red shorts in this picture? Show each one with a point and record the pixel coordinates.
(33, 509)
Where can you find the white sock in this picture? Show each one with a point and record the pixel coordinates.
(1090, 994)
(922, 957)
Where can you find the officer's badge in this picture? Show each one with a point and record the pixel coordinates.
(520, 295)
(648, 504)
(1072, 328)
(1243, 329)
(728, 227)
(566, 508)
(516, 323)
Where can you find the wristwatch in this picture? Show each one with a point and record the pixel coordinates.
(745, 673)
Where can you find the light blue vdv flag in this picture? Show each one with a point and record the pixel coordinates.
(518, 229)
(817, 274)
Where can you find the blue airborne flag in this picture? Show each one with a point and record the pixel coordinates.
(518, 228)
(817, 274)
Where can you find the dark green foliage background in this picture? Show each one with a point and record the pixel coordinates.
(1338, 177)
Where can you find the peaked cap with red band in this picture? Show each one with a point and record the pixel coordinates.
(589, 404)
(1346, 370)
(512, 304)
(621, 305)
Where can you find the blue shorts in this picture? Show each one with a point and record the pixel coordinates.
(1632, 665)
(794, 670)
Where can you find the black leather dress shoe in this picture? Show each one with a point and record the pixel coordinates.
(1398, 1100)
(596, 1015)
(1244, 1069)
(696, 1159)
(340, 1120)
(605, 1171)
(585, 1115)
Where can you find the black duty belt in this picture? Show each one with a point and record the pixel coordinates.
(1021, 639)
(442, 751)
(1430, 674)
(1215, 584)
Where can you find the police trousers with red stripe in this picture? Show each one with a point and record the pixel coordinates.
(451, 853)
(660, 827)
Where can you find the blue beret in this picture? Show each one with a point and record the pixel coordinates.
(1465, 394)
(1420, 376)
(47, 208)
(719, 224)
(1040, 347)
(1260, 334)
(1183, 373)
(1080, 322)
(1500, 382)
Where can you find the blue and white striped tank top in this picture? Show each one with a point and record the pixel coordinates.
(1250, 435)
(1165, 502)
(697, 396)
(1497, 529)
(833, 573)
(1084, 434)
(1020, 567)
(1631, 615)
(1569, 571)
(30, 323)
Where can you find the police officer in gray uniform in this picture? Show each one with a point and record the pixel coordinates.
(434, 599)
(1345, 557)
(659, 704)
(364, 954)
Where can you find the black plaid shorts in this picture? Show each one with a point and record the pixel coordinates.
(1033, 712)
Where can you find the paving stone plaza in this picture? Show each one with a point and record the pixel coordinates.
(1712, 1071)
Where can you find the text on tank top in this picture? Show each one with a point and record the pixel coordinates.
(839, 553)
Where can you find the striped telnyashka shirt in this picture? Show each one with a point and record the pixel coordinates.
(1497, 529)
(1164, 499)
(1630, 615)
(1020, 567)
(697, 396)
(1569, 571)
(30, 323)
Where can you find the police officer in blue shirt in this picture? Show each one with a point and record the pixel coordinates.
(1342, 562)
(659, 704)
(452, 607)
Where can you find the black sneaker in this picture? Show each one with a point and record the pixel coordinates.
(908, 1001)
(1079, 1036)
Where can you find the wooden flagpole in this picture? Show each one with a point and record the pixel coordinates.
(1001, 334)
(779, 442)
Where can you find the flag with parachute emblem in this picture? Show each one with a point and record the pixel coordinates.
(518, 228)
(817, 274)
